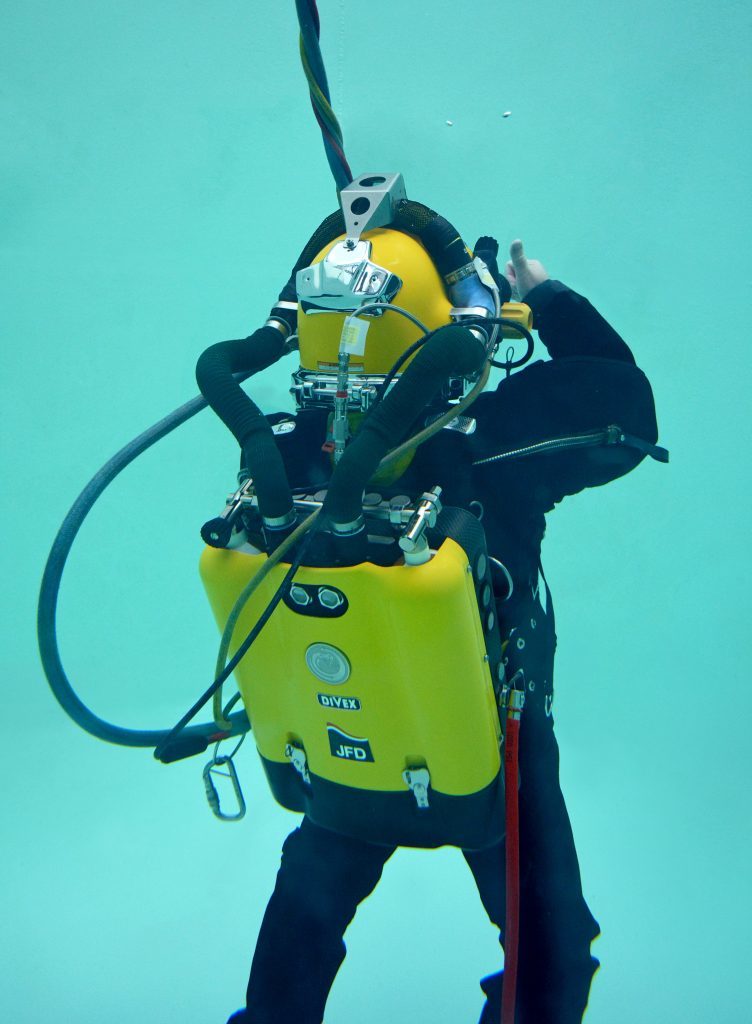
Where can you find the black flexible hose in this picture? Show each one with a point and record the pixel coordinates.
(215, 376)
(48, 595)
(396, 367)
(440, 238)
(452, 350)
(164, 750)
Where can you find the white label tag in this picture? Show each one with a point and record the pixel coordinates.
(283, 427)
(353, 339)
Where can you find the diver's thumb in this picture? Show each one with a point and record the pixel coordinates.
(517, 252)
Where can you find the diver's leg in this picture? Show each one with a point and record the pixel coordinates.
(555, 966)
(322, 879)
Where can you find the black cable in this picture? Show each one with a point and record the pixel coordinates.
(481, 322)
(383, 387)
(507, 322)
(162, 751)
(50, 588)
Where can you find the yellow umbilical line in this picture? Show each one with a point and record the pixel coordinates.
(304, 527)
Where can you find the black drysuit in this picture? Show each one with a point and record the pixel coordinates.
(590, 383)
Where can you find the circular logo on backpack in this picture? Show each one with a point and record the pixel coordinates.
(328, 663)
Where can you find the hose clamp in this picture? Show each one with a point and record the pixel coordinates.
(279, 322)
(279, 522)
(281, 326)
(347, 529)
(455, 276)
(461, 313)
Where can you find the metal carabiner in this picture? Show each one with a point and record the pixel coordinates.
(212, 796)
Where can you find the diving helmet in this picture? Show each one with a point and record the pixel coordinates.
(369, 294)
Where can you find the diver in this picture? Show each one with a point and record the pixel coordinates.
(519, 451)
(400, 497)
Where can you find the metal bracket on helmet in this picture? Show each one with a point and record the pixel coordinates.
(370, 201)
(345, 280)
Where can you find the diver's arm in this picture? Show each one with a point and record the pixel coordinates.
(567, 324)
(590, 383)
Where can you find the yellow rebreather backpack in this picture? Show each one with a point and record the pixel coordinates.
(371, 690)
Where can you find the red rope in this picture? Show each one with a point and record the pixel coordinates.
(512, 842)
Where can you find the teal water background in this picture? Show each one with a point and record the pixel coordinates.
(162, 170)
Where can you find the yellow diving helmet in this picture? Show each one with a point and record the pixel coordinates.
(365, 296)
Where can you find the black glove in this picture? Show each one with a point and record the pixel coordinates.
(488, 248)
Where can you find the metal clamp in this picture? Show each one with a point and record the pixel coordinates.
(218, 531)
(512, 697)
(418, 780)
(297, 756)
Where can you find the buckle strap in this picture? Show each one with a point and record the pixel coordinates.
(653, 450)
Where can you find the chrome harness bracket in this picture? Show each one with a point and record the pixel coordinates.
(418, 780)
(297, 756)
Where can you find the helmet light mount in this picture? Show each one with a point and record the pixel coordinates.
(370, 201)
